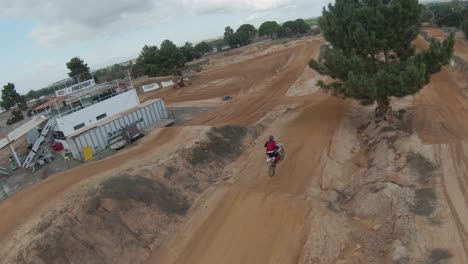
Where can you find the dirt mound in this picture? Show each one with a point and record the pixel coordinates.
(306, 83)
(125, 217)
(383, 201)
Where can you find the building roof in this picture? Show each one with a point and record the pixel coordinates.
(50, 102)
(111, 118)
(22, 130)
(96, 88)
(77, 94)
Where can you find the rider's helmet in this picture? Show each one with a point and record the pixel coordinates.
(271, 138)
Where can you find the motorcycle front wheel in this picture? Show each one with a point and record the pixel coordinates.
(271, 168)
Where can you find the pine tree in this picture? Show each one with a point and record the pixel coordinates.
(371, 56)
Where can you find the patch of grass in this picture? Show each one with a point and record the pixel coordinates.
(422, 166)
(426, 35)
(311, 21)
(150, 192)
(388, 129)
(224, 143)
(43, 226)
(439, 256)
(170, 170)
(424, 202)
(191, 183)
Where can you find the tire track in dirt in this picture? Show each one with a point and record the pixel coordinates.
(440, 119)
(257, 85)
(461, 47)
(285, 65)
(249, 108)
(23, 205)
(231, 80)
(261, 219)
(454, 185)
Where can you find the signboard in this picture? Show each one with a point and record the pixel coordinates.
(75, 87)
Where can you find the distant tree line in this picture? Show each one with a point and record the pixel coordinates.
(154, 61)
(246, 33)
(169, 59)
(448, 14)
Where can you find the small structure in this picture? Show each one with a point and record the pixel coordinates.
(83, 116)
(100, 135)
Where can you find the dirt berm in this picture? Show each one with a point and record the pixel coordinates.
(124, 217)
(349, 191)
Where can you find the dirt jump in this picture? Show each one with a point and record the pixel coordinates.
(351, 190)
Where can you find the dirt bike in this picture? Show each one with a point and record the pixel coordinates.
(271, 161)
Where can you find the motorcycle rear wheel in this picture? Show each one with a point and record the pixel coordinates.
(281, 154)
(271, 168)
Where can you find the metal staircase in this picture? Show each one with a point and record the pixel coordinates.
(40, 150)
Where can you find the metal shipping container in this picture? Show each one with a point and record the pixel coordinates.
(145, 115)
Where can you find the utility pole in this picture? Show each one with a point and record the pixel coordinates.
(15, 156)
(130, 77)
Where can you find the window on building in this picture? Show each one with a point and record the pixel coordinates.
(99, 117)
(79, 126)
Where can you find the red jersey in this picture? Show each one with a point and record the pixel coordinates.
(270, 145)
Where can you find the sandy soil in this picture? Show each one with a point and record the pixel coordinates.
(306, 84)
(461, 45)
(263, 220)
(349, 191)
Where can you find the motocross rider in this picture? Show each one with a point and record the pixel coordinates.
(272, 149)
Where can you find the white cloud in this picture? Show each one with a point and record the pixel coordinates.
(68, 20)
(121, 27)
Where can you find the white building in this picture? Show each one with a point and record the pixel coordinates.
(88, 116)
(92, 111)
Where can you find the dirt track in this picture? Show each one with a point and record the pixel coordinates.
(441, 120)
(253, 218)
(263, 220)
(17, 209)
(287, 65)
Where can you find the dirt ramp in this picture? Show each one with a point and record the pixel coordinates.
(383, 203)
(126, 215)
(123, 218)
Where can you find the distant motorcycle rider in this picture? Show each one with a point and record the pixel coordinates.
(272, 149)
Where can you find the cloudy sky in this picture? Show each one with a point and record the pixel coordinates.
(40, 36)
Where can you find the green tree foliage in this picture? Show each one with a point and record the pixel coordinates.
(16, 116)
(153, 61)
(148, 61)
(228, 32)
(171, 57)
(35, 94)
(268, 28)
(464, 27)
(203, 48)
(426, 14)
(218, 44)
(115, 72)
(231, 38)
(282, 32)
(242, 38)
(11, 98)
(249, 29)
(448, 14)
(189, 52)
(289, 27)
(77, 67)
(243, 35)
(299, 26)
(234, 40)
(372, 57)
